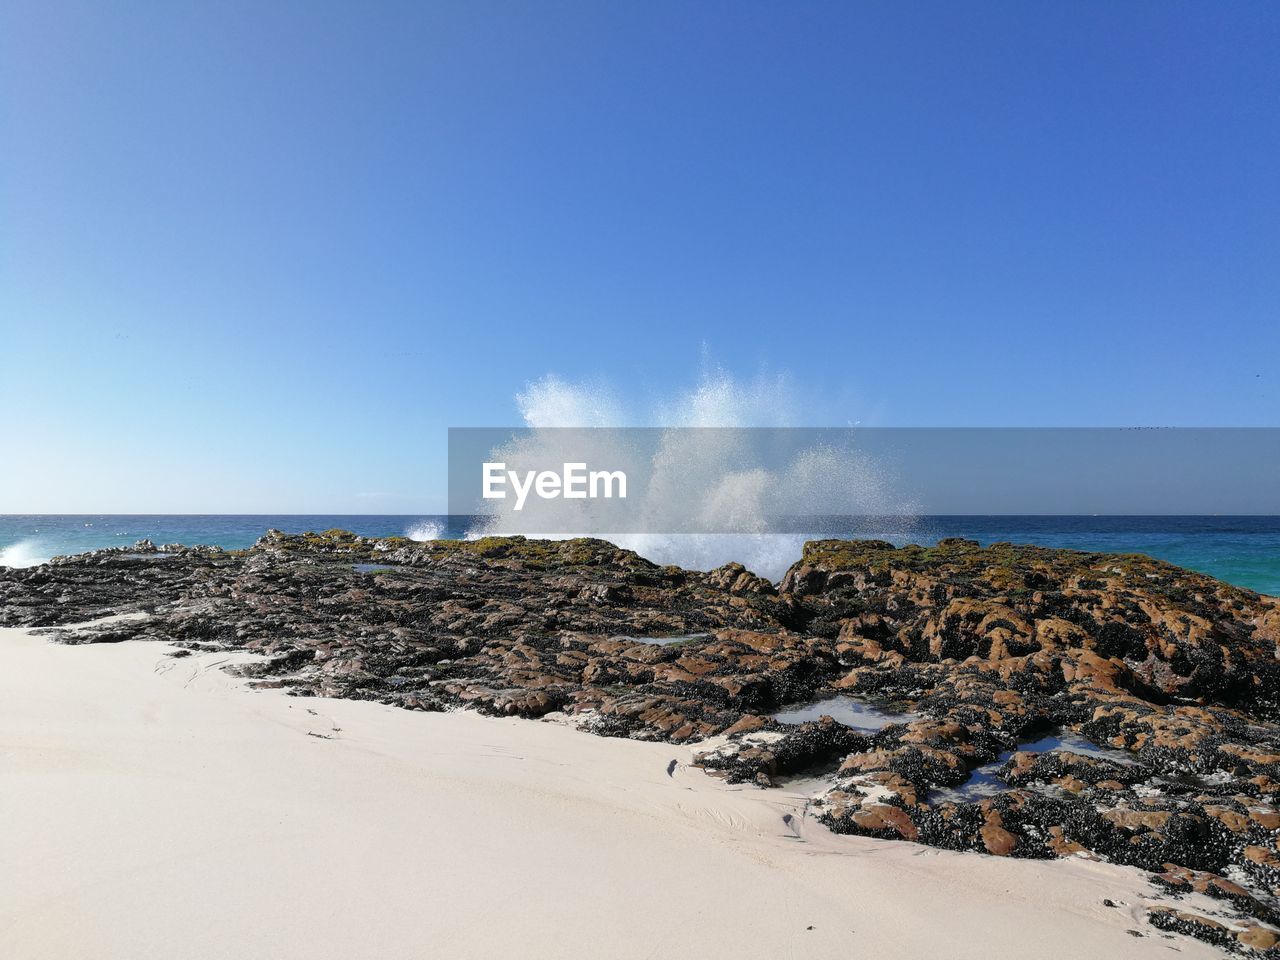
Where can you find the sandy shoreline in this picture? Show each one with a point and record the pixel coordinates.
(154, 807)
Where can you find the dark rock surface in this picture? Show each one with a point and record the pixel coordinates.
(1175, 674)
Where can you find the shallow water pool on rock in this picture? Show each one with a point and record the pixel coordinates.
(371, 567)
(665, 641)
(985, 781)
(852, 713)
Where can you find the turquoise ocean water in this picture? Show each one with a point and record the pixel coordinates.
(1241, 550)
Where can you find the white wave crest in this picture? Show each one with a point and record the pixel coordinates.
(693, 481)
(550, 402)
(425, 530)
(24, 553)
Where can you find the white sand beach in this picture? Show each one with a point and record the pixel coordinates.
(155, 807)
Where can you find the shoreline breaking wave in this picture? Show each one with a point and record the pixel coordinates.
(697, 480)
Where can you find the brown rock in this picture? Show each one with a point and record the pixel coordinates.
(748, 723)
(998, 841)
(881, 817)
(1258, 937)
(1137, 820)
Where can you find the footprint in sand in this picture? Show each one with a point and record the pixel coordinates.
(331, 734)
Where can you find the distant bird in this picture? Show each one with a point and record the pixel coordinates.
(671, 768)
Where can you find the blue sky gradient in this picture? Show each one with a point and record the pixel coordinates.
(258, 257)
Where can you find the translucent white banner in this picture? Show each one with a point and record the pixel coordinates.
(602, 481)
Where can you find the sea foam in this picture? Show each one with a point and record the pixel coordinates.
(24, 553)
(425, 530)
(691, 477)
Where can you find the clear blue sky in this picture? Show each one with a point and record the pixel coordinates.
(259, 256)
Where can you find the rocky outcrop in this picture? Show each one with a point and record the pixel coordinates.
(1172, 676)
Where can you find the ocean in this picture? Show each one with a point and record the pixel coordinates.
(1241, 550)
